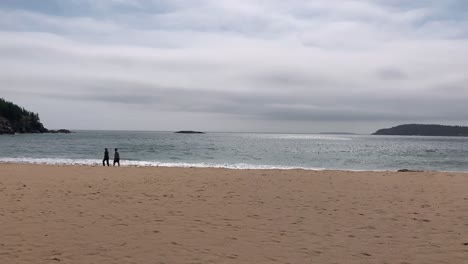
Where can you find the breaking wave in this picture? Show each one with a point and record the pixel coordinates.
(133, 163)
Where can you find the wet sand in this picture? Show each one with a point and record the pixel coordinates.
(79, 214)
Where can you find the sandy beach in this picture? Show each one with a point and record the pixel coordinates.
(84, 214)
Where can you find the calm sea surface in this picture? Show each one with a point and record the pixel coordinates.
(241, 150)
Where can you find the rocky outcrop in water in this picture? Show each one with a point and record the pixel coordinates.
(60, 131)
(189, 132)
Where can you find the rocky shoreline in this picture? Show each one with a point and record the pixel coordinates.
(9, 131)
(6, 128)
(17, 120)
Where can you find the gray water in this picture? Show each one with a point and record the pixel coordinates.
(241, 150)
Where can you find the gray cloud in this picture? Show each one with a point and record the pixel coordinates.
(245, 65)
(392, 74)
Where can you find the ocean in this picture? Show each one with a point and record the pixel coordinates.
(241, 150)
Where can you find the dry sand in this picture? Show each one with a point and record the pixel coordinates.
(73, 214)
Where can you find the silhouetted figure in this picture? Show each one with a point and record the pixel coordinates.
(106, 158)
(116, 157)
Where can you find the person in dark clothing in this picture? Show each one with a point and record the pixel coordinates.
(106, 158)
(116, 157)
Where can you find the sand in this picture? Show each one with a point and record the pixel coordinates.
(79, 214)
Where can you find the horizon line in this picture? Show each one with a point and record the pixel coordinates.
(256, 132)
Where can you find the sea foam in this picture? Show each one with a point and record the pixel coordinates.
(133, 163)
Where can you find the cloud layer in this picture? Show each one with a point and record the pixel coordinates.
(295, 66)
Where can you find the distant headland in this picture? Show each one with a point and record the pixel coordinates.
(15, 119)
(424, 130)
(189, 132)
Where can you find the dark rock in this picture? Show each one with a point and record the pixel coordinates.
(60, 131)
(5, 127)
(189, 132)
(406, 170)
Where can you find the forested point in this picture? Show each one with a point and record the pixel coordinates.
(16, 119)
(425, 130)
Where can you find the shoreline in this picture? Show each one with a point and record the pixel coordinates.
(85, 214)
(246, 167)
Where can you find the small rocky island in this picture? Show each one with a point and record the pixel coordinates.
(189, 132)
(337, 133)
(424, 130)
(15, 119)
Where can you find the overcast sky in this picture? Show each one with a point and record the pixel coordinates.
(236, 65)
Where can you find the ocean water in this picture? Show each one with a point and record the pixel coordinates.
(241, 150)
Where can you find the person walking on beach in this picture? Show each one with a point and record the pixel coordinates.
(116, 157)
(106, 158)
